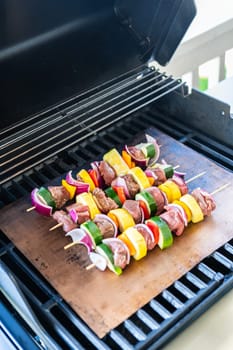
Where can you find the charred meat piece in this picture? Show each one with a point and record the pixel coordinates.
(134, 209)
(62, 217)
(107, 172)
(104, 203)
(204, 200)
(132, 186)
(60, 195)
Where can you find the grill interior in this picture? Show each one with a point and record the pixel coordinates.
(159, 320)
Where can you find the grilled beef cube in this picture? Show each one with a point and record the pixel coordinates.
(104, 203)
(134, 209)
(132, 186)
(107, 172)
(60, 195)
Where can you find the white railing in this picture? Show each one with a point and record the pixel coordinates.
(192, 53)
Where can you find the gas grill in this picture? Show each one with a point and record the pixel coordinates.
(74, 86)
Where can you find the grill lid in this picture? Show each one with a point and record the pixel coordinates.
(53, 50)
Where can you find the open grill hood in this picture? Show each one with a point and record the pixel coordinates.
(50, 51)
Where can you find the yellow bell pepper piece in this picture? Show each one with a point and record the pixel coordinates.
(114, 159)
(137, 241)
(129, 244)
(196, 211)
(86, 178)
(70, 188)
(175, 191)
(123, 218)
(86, 198)
(140, 177)
(167, 191)
(186, 209)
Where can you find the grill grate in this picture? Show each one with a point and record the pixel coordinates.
(113, 136)
(45, 135)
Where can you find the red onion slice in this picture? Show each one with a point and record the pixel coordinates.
(180, 174)
(150, 173)
(80, 237)
(40, 207)
(140, 162)
(106, 217)
(74, 215)
(80, 186)
(95, 166)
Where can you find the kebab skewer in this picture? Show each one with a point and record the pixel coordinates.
(136, 239)
(101, 174)
(99, 201)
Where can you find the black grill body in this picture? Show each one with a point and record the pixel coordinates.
(110, 103)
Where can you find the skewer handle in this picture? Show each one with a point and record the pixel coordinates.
(30, 209)
(176, 167)
(70, 245)
(89, 267)
(55, 226)
(220, 189)
(195, 177)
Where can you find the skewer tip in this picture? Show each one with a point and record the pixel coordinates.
(195, 177)
(89, 267)
(55, 226)
(69, 245)
(30, 209)
(220, 188)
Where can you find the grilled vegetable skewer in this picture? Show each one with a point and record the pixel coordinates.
(105, 204)
(161, 229)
